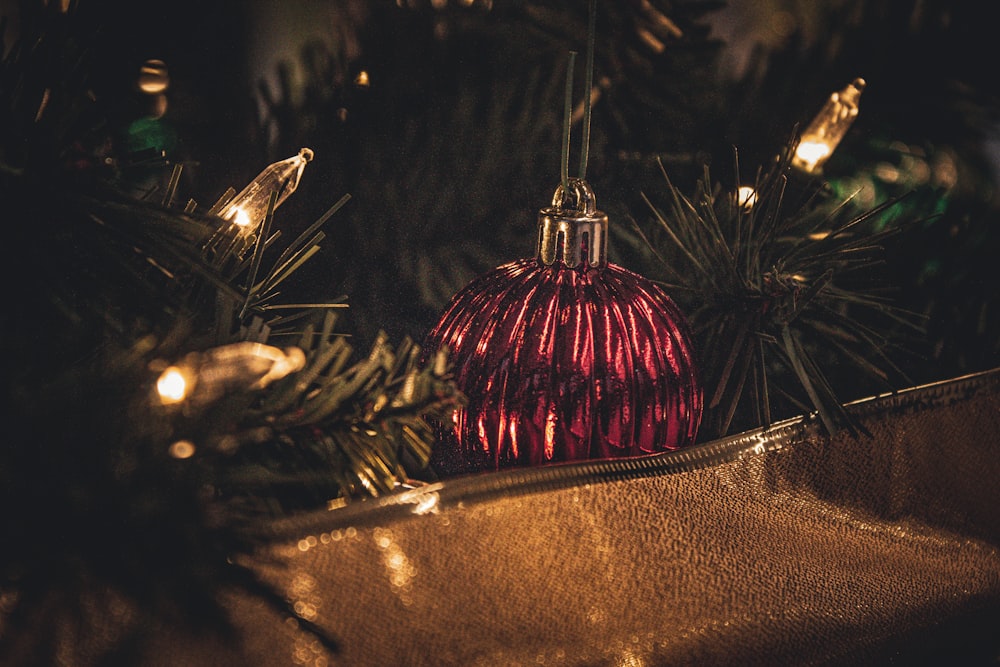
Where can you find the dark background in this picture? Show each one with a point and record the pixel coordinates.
(453, 144)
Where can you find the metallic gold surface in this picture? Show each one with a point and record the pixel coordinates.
(778, 547)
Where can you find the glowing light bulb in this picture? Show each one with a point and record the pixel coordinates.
(240, 217)
(283, 362)
(246, 365)
(153, 77)
(172, 386)
(810, 154)
(203, 377)
(248, 208)
(746, 197)
(824, 133)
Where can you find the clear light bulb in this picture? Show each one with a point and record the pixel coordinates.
(746, 197)
(821, 137)
(221, 370)
(248, 208)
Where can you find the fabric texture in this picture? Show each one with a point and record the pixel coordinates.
(776, 547)
(867, 550)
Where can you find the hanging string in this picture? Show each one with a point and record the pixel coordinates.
(568, 106)
(589, 85)
(567, 119)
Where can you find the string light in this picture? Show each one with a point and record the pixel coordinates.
(238, 366)
(746, 197)
(154, 77)
(172, 386)
(824, 133)
(247, 209)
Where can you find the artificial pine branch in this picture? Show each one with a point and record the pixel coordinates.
(141, 509)
(779, 292)
(451, 143)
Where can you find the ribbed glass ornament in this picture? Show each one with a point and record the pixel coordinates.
(565, 357)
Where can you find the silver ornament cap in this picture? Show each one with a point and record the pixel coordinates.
(572, 231)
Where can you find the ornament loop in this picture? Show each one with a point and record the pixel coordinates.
(572, 230)
(584, 200)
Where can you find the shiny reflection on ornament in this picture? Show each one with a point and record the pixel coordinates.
(513, 435)
(550, 435)
(746, 197)
(172, 386)
(182, 449)
(481, 430)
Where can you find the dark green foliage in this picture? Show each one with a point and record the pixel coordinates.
(448, 151)
(116, 505)
(453, 145)
(927, 129)
(783, 297)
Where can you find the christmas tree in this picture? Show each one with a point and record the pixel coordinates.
(175, 381)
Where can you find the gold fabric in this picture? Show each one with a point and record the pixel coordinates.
(806, 551)
(778, 547)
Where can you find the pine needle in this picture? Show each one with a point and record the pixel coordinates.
(767, 294)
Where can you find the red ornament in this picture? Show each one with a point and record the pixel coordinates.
(565, 356)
